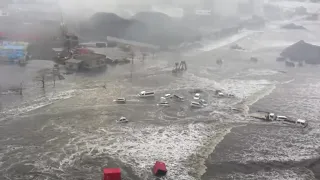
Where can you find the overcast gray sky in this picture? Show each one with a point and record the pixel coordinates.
(223, 6)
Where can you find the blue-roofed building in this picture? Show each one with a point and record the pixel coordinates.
(10, 50)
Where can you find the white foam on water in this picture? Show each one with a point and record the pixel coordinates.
(257, 72)
(173, 145)
(273, 44)
(295, 145)
(212, 144)
(139, 147)
(38, 103)
(244, 88)
(288, 174)
(209, 45)
(220, 43)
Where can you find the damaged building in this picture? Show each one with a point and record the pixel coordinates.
(86, 62)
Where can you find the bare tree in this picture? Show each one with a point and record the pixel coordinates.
(21, 88)
(55, 73)
(43, 75)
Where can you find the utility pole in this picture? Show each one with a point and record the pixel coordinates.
(21, 87)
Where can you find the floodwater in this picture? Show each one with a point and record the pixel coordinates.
(70, 132)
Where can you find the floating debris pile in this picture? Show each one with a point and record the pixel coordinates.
(180, 67)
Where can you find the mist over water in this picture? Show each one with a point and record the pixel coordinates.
(70, 131)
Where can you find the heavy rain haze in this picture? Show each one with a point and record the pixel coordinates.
(85, 7)
(214, 89)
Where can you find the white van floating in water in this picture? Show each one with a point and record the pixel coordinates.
(196, 96)
(302, 123)
(281, 118)
(195, 105)
(146, 94)
(122, 120)
(120, 100)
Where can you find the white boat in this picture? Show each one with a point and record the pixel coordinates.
(120, 100)
(122, 120)
(167, 96)
(195, 105)
(196, 96)
(146, 94)
(179, 98)
(203, 102)
(166, 104)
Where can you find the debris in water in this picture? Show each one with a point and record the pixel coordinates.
(159, 169)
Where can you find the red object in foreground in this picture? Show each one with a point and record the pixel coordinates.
(159, 169)
(111, 174)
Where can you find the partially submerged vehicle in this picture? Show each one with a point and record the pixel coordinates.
(273, 117)
(219, 93)
(254, 59)
(195, 105)
(203, 102)
(143, 94)
(122, 120)
(177, 97)
(164, 103)
(236, 47)
(302, 122)
(120, 100)
(196, 96)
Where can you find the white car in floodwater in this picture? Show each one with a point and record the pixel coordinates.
(146, 94)
(179, 98)
(195, 105)
(164, 103)
(196, 96)
(122, 120)
(203, 102)
(120, 100)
